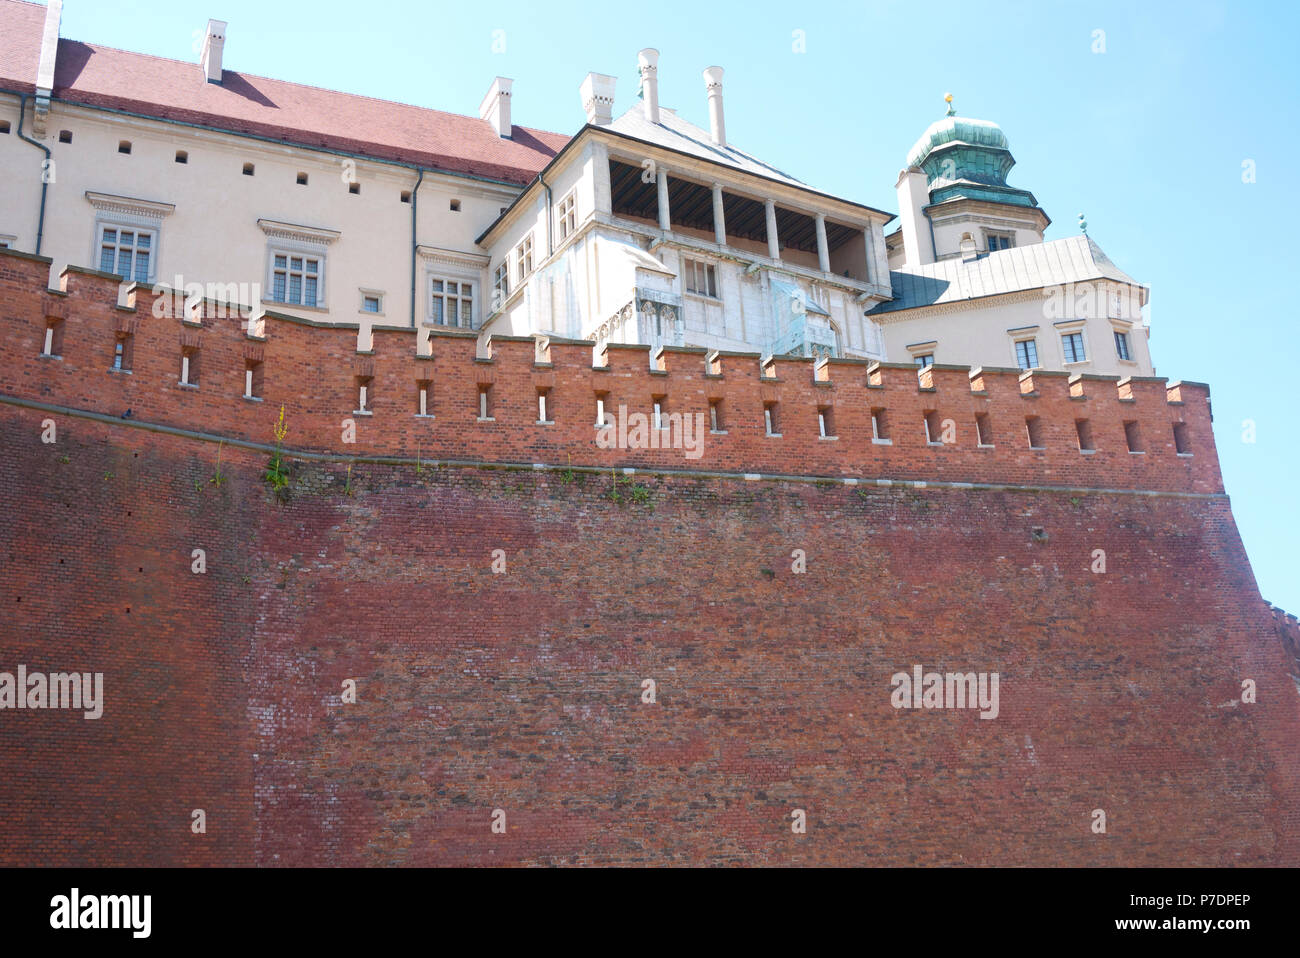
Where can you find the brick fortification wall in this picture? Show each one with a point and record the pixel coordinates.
(522, 690)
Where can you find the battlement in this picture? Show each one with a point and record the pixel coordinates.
(440, 394)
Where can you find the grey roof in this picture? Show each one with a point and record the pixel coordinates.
(674, 133)
(1075, 259)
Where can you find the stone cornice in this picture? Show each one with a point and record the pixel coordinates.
(298, 234)
(450, 257)
(129, 206)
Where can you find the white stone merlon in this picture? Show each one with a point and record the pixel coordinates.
(648, 64)
(717, 124)
(773, 244)
(495, 107)
(597, 92)
(214, 46)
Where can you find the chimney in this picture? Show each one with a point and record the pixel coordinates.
(648, 64)
(213, 45)
(717, 126)
(495, 107)
(45, 68)
(597, 93)
(913, 197)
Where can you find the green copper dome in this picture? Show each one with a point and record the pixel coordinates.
(956, 129)
(966, 159)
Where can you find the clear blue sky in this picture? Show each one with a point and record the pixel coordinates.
(1147, 138)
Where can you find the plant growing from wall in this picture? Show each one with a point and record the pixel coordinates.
(277, 475)
(347, 486)
(218, 480)
(637, 493)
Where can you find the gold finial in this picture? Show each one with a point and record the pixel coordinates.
(947, 98)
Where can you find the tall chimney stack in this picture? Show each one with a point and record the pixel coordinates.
(213, 46)
(495, 107)
(648, 62)
(597, 92)
(717, 125)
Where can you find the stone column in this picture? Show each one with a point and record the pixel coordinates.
(773, 246)
(719, 220)
(823, 249)
(661, 181)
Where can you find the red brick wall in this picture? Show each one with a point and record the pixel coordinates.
(312, 372)
(521, 691)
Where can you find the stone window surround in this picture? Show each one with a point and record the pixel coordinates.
(124, 212)
(457, 267)
(293, 240)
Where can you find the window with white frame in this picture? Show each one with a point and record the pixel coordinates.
(1121, 345)
(524, 257)
(923, 359)
(372, 301)
(501, 282)
(700, 278)
(296, 278)
(1072, 347)
(1027, 353)
(127, 235)
(452, 303)
(567, 216)
(128, 252)
(296, 267)
(7, 241)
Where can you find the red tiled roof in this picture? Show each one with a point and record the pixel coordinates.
(306, 116)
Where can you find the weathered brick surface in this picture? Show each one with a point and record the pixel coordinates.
(521, 691)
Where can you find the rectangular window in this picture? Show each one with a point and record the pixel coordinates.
(658, 419)
(1121, 345)
(126, 252)
(600, 411)
(925, 359)
(1182, 444)
(501, 284)
(825, 422)
(1072, 347)
(1027, 353)
(295, 279)
(770, 420)
(53, 345)
(422, 397)
(983, 429)
(484, 403)
(1133, 436)
(715, 415)
(364, 393)
(1084, 428)
(700, 278)
(998, 241)
(933, 428)
(543, 412)
(452, 303)
(253, 375)
(879, 426)
(189, 366)
(122, 352)
(567, 215)
(1034, 430)
(524, 257)
(371, 304)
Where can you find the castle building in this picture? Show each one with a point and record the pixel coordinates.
(643, 228)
